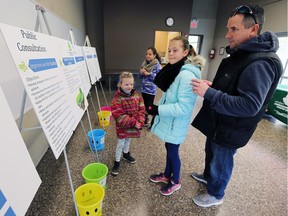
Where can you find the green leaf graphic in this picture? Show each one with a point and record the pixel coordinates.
(23, 66)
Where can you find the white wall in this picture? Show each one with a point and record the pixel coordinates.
(23, 14)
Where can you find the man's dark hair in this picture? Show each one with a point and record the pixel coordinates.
(256, 17)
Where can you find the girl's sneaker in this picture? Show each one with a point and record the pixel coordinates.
(170, 188)
(159, 178)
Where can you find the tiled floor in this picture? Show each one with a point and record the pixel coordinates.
(258, 185)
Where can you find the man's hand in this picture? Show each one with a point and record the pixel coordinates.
(200, 87)
(209, 83)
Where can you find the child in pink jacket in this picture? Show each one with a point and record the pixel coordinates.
(128, 111)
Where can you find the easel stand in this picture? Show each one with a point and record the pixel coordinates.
(70, 180)
(96, 152)
(20, 126)
(87, 43)
(91, 99)
(41, 12)
(73, 41)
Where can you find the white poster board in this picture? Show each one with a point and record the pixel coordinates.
(23, 14)
(19, 180)
(47, 68)
(73, 70)
(92, 63)
(82, 68)
(96, 62)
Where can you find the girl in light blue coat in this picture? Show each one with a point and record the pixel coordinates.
(174, 110)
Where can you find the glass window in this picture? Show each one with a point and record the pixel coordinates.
(196, 42)
(283, 55)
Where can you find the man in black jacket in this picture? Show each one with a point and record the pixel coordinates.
(237, 99)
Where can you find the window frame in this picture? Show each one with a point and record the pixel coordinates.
(284, 77)
(199, 42)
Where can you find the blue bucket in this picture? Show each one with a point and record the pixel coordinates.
(99, 138)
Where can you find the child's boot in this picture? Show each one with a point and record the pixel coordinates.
(129, 158)
(115, 169)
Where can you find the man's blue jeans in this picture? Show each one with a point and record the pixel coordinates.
(219, 164)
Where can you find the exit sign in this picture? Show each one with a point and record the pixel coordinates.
(194, 23)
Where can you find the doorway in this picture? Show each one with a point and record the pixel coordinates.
(161, 43)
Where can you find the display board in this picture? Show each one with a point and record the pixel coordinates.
(82, 69)
(15, 166)
(92, 63)
(23, 14)
(278, 106)
(49, 69)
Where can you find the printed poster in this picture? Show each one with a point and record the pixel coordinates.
(72, 63)
(82, 68)
(43, 65)
(92, 63)
(16, 166)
